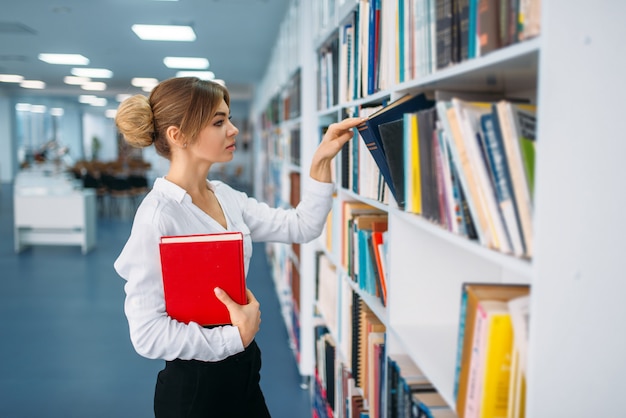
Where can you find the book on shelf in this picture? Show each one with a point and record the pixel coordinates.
(492, 179)
(477, 372)
(324, 380)
(192, 266)
(392, 138)
(376, 364)
(514, 146)
(430, 404)
(426, 120)
(364, 264)
(520, 312)
(368, 323)
(327, 293)
(499, 168)
(404, 378)
(370, 134)
(350, 210)
(467, 115)
(367, 177)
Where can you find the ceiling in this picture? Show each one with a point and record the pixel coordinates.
(236, 36)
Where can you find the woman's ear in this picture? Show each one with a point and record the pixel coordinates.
(175, 136)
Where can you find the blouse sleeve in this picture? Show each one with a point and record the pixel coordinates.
(153, 333)
(301, 224)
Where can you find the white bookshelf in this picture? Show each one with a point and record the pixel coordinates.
(574, 72)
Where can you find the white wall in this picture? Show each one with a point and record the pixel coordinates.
(103, 128)
(7, 153)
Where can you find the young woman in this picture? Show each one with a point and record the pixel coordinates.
(209, 372)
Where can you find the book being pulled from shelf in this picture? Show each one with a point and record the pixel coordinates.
(391, 150)
(192, 266)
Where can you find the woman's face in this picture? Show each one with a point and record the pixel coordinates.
(216, 141)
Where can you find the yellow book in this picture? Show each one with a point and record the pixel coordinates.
(497, 371)
(416, 177)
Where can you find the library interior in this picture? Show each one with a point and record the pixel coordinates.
(469, 265)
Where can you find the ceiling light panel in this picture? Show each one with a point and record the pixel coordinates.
(76, 81)
(33, 84)
(11, 78)
(94, 86)
(202, 75)
(164, 33)
(187, 63)
(143, 82)
(64, 59)
(92, 72)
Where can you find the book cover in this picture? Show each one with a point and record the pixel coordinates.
(412, 179)
(192, 266)
(428, 175)
(498, 350)
(471, 295)
(468, 114)
(392, 137)
(499, 169)
(521, 189)
(370, 135)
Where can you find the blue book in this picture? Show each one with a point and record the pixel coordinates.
(370, 134)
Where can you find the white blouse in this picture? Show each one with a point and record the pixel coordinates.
(168, 210)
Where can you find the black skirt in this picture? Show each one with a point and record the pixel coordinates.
(224, 389)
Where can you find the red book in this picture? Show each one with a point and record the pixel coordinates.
(192, 266)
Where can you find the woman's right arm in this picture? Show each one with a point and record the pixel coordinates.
(153, 333)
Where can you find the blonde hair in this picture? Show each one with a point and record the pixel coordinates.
(186, 102)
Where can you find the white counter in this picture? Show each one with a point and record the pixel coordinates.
(53, 210)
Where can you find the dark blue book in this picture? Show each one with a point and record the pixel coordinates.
(370, 134)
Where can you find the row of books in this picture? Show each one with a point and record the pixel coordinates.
(490, 374)
(364, 246)
(383, 43)
(367, 381)
(490, 377)
(467, 165)
(410, 394)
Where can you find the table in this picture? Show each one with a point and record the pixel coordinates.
(53, 210)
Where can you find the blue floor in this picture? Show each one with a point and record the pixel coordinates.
(64, 345)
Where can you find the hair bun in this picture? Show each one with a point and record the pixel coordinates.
(135, 121)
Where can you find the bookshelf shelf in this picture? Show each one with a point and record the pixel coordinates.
(519, 267)
(573, 74)
(512, 68)
(438, 354)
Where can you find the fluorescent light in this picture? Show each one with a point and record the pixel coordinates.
(92, 100)
(11, 78)
(188, 63)
(92, 72)
(76, 81)
(23, 107)
(94, 86)
(164, 32)
(33, 84)
(38, 109)
(86, 98)
(144, 82)
(57, 111)
(202, 75)
(110, 113)
(64, 59)
(100, 101)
